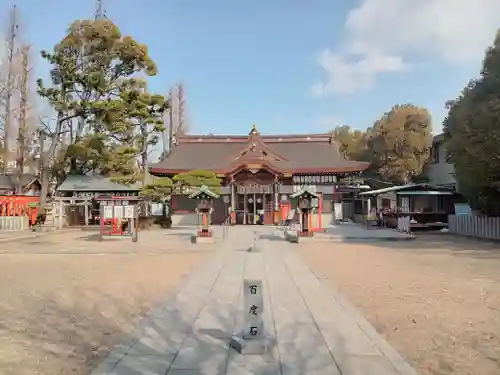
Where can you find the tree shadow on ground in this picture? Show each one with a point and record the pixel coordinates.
(65, 339)
(184, 235)
(97, 238)
(440, 243)
(91, 228)
(272, 237)
(37, 242)
(62, 339)
(213, 353)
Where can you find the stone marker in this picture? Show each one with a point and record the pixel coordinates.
(291, 236)
(254, 247)
(252, 339)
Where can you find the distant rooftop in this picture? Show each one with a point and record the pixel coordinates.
(93, 183)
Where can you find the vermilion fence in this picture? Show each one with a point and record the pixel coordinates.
(19, 205)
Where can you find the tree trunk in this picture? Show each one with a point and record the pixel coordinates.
(144, 155)
(78, 137)
(41, 171)
(9, 90)
(47, 160)
(45, 187)
(23, 108)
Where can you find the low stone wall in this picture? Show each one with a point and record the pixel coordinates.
(14, 223)
(185, 219)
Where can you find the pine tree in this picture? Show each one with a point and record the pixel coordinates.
(99, 92)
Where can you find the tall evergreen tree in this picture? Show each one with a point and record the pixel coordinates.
(472, 128)
(99, 93)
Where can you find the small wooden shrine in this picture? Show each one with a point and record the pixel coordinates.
(205, 198)
(305, 204)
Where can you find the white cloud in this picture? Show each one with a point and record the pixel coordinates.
(355, 72)
(385, 36)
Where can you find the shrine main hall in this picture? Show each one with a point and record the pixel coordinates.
(260, 173)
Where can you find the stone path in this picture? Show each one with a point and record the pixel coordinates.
(313, 329)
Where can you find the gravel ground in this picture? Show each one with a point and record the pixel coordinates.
(435, 299)
(65, 299)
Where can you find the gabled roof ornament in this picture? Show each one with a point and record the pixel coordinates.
(254, 130)
(203, 192)
(305, 192)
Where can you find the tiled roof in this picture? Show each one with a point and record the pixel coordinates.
(287, 153)
(9, 181)
(92, 183)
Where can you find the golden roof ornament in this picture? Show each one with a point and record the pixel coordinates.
(254, 130)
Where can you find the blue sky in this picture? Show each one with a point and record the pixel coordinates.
(288, 66)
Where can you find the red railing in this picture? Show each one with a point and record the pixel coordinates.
(19, 205)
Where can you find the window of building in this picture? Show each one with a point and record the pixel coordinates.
(405, 204)
(386, 203)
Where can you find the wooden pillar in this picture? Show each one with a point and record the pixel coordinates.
(245, 208)
(276, 207)
(264, 208)
(60, 211)
(233, 203)
(320, 211)
(305, 221)
(254, 213)
(87, 209)
(204, 217)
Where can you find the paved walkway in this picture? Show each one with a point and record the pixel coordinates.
(313, 329)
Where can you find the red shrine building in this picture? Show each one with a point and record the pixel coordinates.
(259, 173)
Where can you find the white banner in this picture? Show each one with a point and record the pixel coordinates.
(118, 211)
(108, 212)
(128, 212)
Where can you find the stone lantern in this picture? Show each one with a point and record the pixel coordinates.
(304, 198)
(205, 198)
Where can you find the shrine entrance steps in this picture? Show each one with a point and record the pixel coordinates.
(313, 329)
